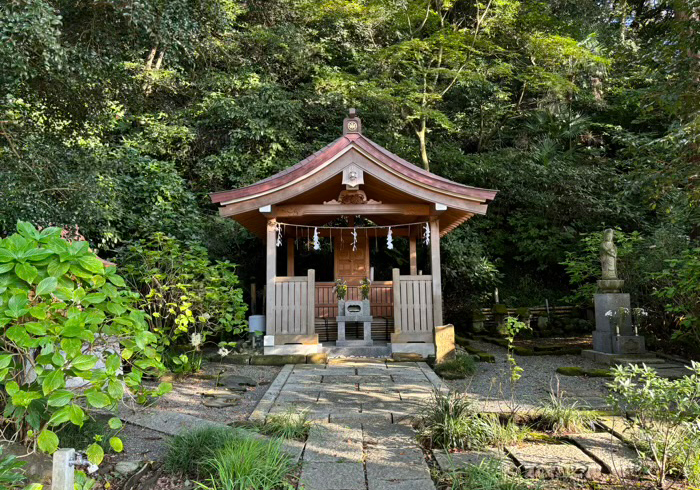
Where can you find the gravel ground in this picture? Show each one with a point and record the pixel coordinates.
(185, 396)
(539, 378)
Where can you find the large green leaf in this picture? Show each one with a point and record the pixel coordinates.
(84, 362)
(47, 441)
(115, 389)
(7, 255)
(26, 272)
(116, 444)
(53, 381)
(92, 263)
(95, 453)
(60, 398)
(47, 286)
(97, 399)
(56, 268)
(114, 423)
(76, 415)
(6, 267)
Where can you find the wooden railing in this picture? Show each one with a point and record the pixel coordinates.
(413, 303)
(292, 309)
(380, 299)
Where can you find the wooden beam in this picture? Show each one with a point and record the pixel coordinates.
(296, 210)
(290, 256)
(308, 232)
(435, 270)
(413, 254)
(271, 272)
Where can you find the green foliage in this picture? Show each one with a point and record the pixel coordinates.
(664, 428)
(288, 425)
(248, 464)
(681, 293)
(452, 423)
(458, 368)
(11, 476)
(62, 312)
(488, 475)
(560, 415)
(188, 297)
(228, 459)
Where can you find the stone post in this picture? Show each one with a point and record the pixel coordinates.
(63, 473)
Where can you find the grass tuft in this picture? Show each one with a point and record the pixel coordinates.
(561, 416)
(489, 475)
(248, 464)
(188, 451)
(288, 425)
(458, 368)
(453, 424)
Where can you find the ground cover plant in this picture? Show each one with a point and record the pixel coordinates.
(559, 415)
(288, 425)
(664, 420)
(61, 312)
(459, 367)
(488, 475)
(228, 459)
(452, 423)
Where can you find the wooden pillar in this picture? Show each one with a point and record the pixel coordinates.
(271, 272)
(396, 284)
(413, 255)
(435, 270)
(290, 256)
(311, 302)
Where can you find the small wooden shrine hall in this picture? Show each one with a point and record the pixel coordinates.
(345, 198)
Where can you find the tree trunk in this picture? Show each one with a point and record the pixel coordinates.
(421, 133)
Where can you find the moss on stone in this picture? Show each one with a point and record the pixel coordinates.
(278, 360)
(320, 358)
(579, 371)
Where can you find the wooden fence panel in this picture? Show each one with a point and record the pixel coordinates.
(293, 311)
(413, 303)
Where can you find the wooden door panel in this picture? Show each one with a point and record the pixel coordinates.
(349, 265)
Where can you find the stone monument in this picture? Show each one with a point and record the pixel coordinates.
(354, 311)
(614, 333)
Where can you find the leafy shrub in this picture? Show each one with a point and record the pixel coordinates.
(489, 475)
(288, 425)
(453, 424)
(62, 312)
(681, 291)
(11, 475)
(459, 367)
(665, 427)
(188, 298)
(228, 459)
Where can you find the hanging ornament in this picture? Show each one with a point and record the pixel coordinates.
(354, 239)
(279, 235)
(317, 242)
(426, 234)
(389, 240)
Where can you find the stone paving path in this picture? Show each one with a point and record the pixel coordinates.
(363, 439)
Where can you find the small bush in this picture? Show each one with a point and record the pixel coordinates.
(289, 425)
(561, 416)
(248, 464)
(457, 368)
(489, 475)
(10, 472)
(665, 429)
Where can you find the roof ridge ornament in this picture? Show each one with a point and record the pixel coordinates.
(352, 123)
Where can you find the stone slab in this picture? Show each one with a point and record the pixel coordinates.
(332, 476)
(616, 457)
(388, 435)
(165, 421)
(553, 461)
(396, 472)
(426, 484)
(457, 461)
(334, 443)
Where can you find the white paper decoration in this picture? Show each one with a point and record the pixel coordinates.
(426, 234)
(389, 240)
(317, 242)
(354, 239)
(279, 235)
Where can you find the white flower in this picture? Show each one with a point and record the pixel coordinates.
(206, 316)
(196, 340)
(223, 351)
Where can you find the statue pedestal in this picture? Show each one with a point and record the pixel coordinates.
(606, 338)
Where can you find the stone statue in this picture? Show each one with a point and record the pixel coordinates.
(608, 255)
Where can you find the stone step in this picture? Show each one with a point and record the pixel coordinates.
(376, 351)
(553, 461)
(616, 457)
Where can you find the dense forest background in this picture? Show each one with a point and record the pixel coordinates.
(120, 116)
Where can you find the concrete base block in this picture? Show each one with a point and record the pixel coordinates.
(292, 349)
(424, 349)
